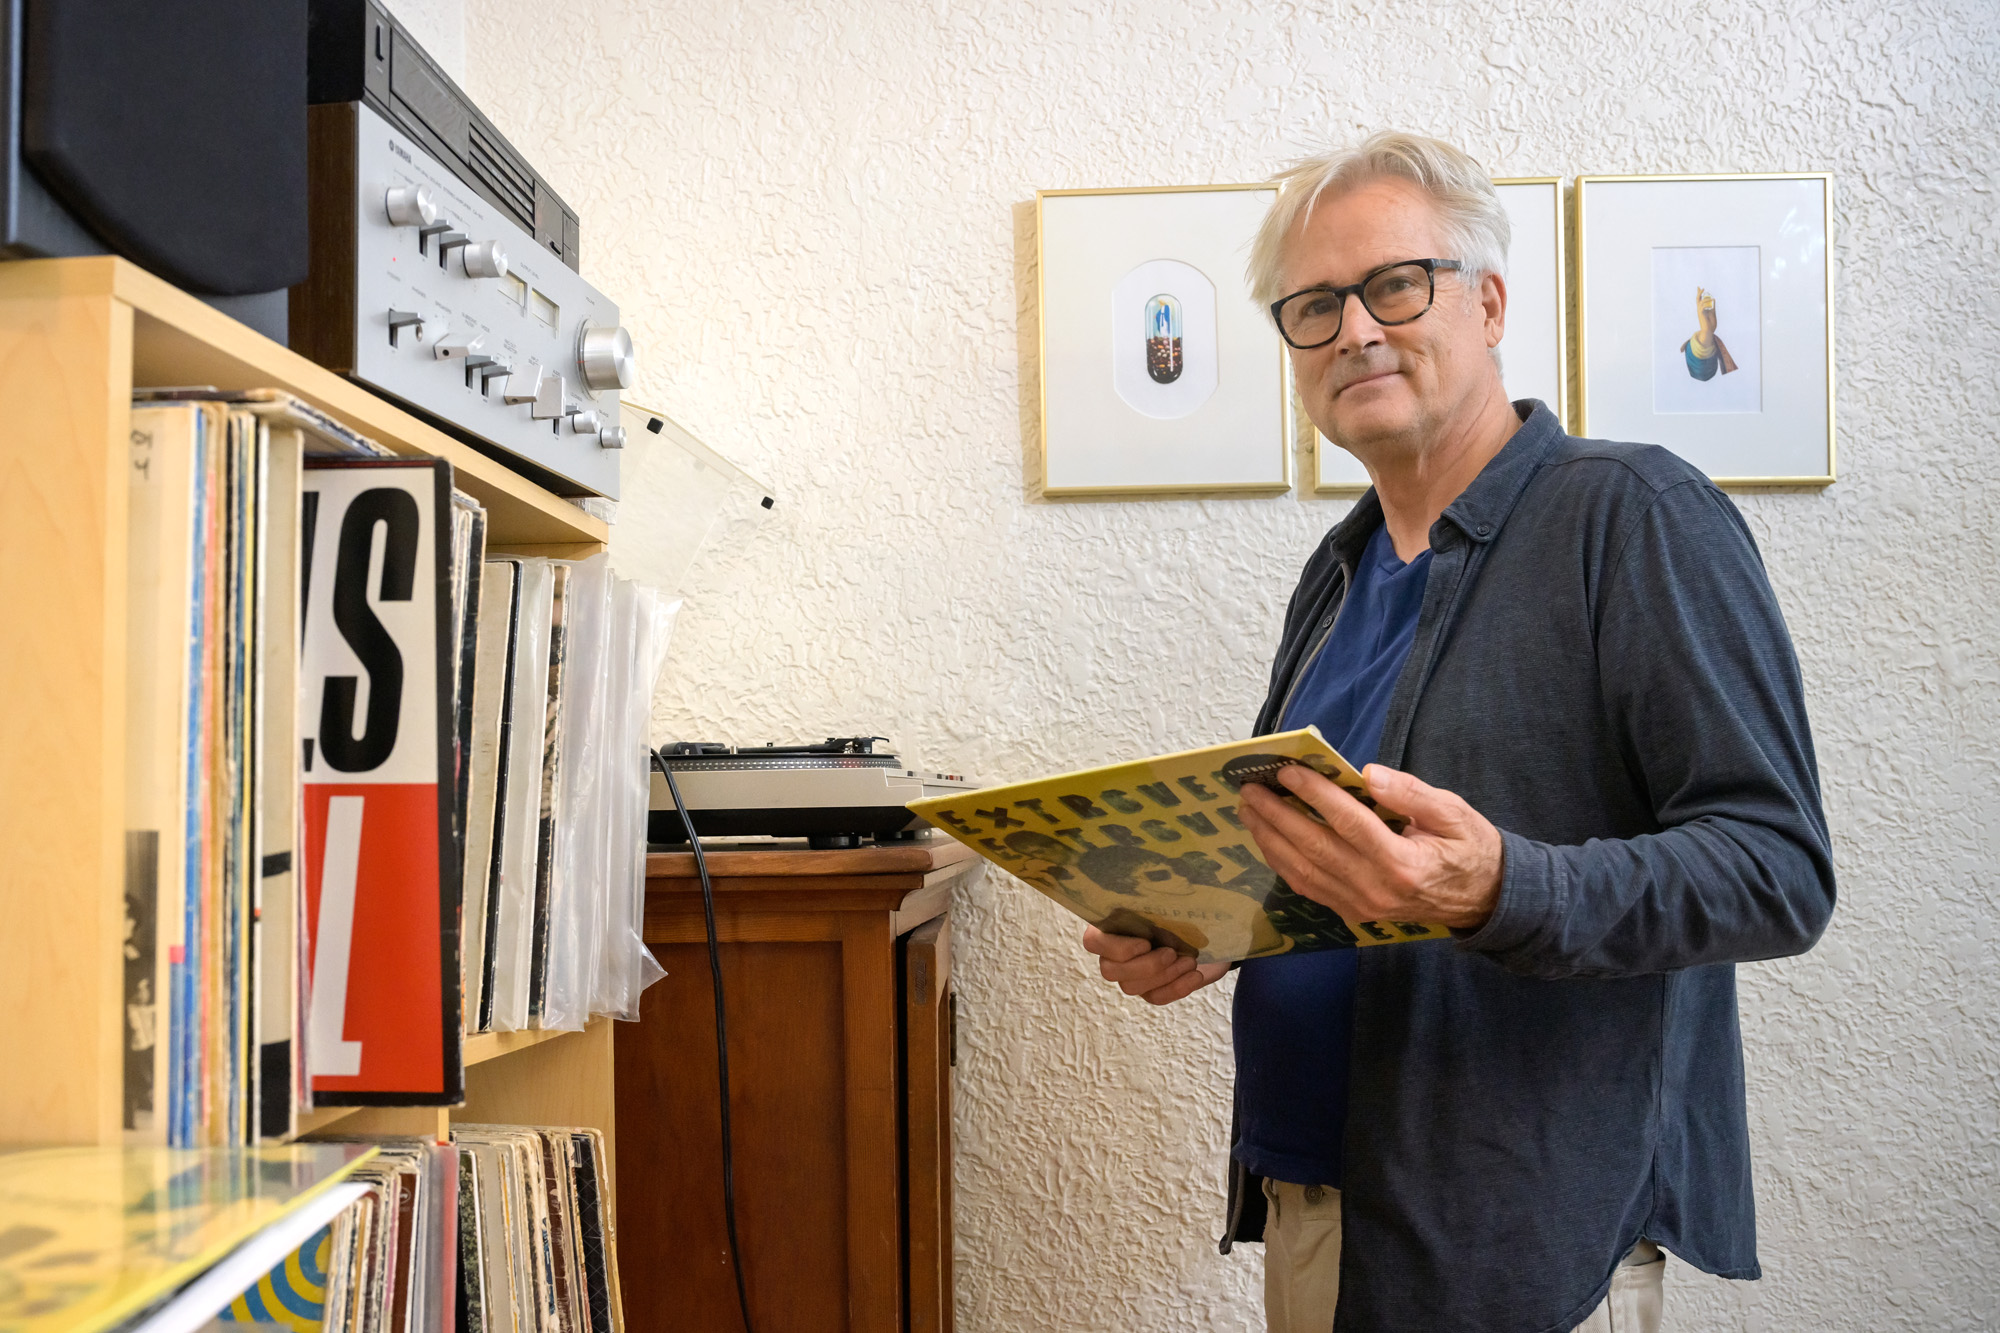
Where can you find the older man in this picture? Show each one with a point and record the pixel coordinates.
(1562, 659)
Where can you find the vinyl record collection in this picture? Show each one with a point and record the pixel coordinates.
(503, 1230)
(556, 809)
(536, 1253)
(212, 971)
(382, 790)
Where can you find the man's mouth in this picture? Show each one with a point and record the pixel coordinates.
(1365, 379)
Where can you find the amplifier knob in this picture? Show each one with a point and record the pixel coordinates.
(485, 259)
(548, 399)
(611, 437)
(582, 421)
(411, 206)
(497, 370)
(438, 227)
(404, 319)
(605, 356)
(523, 386)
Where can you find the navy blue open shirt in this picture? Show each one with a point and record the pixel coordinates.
(1600, 668)
(1294, 1013)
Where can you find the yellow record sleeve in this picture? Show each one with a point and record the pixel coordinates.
(1156, 848)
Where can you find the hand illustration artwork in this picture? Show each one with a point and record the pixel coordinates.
(1705, 352)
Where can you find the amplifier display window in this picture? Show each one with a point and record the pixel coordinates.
(542, 308)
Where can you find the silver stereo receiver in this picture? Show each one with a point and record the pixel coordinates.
(424, 291)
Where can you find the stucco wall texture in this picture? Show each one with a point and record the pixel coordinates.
(819, 218)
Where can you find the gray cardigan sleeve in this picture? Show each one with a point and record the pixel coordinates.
(1700, 684)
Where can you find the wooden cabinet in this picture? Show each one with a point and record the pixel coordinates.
(836, 970)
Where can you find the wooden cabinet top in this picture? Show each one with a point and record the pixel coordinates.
(789, 877)
(788, 859)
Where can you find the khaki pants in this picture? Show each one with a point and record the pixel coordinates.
(1302, 1269)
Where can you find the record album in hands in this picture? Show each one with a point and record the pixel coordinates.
(1156, 848)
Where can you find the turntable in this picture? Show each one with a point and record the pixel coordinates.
(837, 793)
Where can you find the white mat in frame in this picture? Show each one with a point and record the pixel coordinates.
(1534, 351)
(1756, 249)
(1122, 416)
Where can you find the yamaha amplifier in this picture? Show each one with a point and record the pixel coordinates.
(443, 269)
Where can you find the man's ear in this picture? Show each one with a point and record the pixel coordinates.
(1493, 301)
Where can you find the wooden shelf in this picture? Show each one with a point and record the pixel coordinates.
(76, 336)
(486, 1046)
(178, 340)
(479, 1049)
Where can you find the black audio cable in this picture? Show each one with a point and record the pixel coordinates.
(721, 1037)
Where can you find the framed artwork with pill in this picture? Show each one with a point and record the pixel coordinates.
(1705, 320)
(1159, 374)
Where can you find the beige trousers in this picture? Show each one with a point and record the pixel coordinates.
(1302, 1269)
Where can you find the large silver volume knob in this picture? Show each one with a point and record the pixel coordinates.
(605, 357)
(485, 259)
(411, 205)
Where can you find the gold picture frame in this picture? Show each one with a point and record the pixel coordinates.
(1319, 445)
(1280, 480)
(1625, 412)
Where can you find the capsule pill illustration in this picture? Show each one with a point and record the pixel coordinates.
(1163, 338)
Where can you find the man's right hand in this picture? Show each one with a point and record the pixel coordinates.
(1156, 975)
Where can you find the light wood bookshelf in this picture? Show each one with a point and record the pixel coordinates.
(76, 336)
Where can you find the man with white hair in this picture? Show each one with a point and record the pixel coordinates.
(1561, 658)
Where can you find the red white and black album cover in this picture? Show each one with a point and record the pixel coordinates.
(375, 717)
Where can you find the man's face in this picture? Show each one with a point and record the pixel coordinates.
(1374, 390)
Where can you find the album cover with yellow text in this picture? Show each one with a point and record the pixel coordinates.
(1157, 848)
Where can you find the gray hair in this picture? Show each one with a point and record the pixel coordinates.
(1469, 212)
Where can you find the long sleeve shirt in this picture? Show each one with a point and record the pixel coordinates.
(1601, 669)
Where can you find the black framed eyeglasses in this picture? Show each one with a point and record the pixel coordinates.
(1393, 294)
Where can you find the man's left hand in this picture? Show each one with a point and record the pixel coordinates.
(1443, 869)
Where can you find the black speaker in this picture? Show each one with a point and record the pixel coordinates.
(169, 131)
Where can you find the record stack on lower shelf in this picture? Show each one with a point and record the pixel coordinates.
(501, 1230)
(146, 752)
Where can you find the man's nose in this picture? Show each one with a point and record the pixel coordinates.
(1358, 328)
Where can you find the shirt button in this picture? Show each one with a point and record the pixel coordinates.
(1485, 529)
(1314, 1193)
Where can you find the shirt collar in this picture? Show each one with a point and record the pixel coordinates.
(1482, 507)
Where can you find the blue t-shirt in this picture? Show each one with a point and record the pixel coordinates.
(1294, 1016)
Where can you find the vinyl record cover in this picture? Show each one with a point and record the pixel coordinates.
(486, 791)
(523, 760)
(275, 952)
(1155, 848)
(375, 717)
(559, 1178)
(232, 1029)
(548, 854)
(509, 1303)
(468, 564)
(162, 596)
(529, 1235)
(598, 1257)
(471, 1248)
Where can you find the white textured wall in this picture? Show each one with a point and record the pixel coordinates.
(819, 216)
